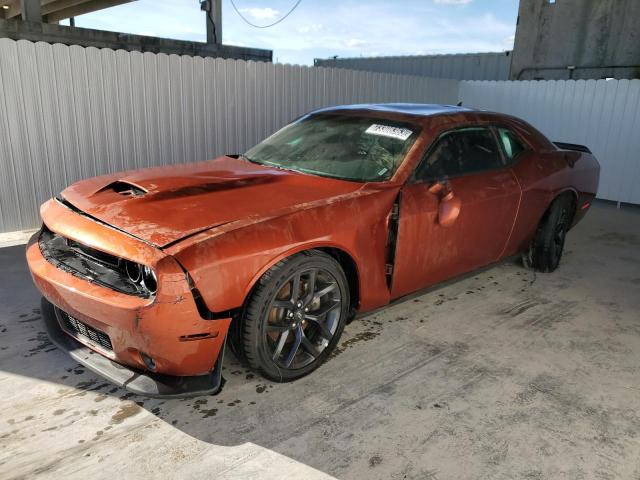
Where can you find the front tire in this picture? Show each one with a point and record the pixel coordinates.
(548, 244)
(295, 316)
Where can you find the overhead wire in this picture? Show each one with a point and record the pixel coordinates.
(246, 20)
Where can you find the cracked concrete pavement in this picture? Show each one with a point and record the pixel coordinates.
(501, 374)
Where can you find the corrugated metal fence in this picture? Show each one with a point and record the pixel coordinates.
(460, 66)
(601, 114)
(70, 112)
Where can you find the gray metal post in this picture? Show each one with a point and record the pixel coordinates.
(214, 22)
(31, 11)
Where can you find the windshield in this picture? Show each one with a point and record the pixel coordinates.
(340, 146)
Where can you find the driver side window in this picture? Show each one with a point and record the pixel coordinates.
(460, 152)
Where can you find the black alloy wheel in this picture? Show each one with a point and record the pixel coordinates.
(548, 245)
(303, 317)
(295, 316)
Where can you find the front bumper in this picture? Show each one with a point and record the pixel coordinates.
(138, 382)
(166, 328)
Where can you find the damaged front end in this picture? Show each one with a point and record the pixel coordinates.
(145, 383)
(97, 267)
(123, 308)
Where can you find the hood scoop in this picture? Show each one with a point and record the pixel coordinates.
(125, 189)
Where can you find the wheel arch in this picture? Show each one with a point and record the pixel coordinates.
(537, 255)
(342, 255)
(350, 269)
(571, 194)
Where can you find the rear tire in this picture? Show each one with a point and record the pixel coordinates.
(548, 245)
(295, 316)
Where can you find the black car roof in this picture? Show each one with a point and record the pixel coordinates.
(419, 109)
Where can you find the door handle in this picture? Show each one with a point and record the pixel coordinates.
(448, 204)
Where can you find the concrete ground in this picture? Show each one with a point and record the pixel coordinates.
(503, 374)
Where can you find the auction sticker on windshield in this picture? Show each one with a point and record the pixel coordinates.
(389, 131)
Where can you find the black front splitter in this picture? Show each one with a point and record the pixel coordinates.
(141, 383)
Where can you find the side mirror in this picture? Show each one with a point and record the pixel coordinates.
(438, 188)
(449, 206)
(449, 210)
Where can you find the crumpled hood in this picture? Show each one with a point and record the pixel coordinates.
(165, 204)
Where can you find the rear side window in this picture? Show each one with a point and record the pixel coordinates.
(460, 152)
(511, 144)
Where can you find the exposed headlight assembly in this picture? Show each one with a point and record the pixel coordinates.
(98, 267)
(141, 275)
(149, 279)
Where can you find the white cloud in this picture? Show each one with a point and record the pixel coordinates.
(266, 13)
(453, 2)
(237, 43)
(315, 27)
(186, 29)
(424, 52)
(356, 43)
(508, 42)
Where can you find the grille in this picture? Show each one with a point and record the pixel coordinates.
(96, 336)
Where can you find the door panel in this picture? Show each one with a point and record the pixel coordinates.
(428, 253)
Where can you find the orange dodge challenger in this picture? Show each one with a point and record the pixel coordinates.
(147, 275)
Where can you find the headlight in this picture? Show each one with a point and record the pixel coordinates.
(142, 276)
(149, 279)
(134, 271)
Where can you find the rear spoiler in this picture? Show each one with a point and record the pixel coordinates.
(572, 146)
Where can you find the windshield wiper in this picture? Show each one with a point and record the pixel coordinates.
(267, 163)
(244, 157)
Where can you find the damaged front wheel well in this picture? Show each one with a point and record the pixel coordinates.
(350, 269)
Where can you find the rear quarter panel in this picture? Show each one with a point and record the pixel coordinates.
(543, 176)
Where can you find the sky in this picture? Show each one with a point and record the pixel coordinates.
(324, 28)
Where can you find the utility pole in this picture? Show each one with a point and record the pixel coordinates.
(213, 12)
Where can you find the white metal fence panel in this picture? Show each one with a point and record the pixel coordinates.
(460, 66)
(68, 113)
(604, 115)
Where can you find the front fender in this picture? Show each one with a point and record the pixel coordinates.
(226, 263)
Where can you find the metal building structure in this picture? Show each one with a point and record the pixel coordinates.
(464, 66)
(51, 11)
(577, 39)
(37, 20)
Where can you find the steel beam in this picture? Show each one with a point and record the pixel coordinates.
(31, 11)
